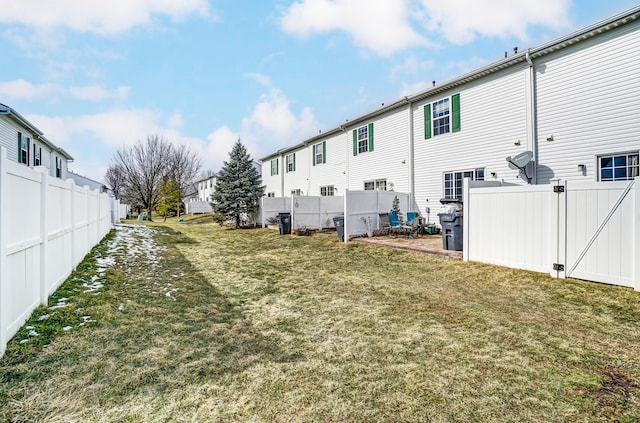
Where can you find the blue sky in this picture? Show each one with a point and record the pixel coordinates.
(95, 76)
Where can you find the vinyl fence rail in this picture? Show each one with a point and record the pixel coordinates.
(47, 226)
(585, 230)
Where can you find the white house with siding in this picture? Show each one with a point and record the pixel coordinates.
(573, 103)
(26, 144)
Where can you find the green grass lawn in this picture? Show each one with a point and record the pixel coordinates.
(193, 322)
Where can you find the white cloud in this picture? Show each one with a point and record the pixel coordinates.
(410, 66)
(100, 17)
(379, 26)
(19, 89)
(461, 21)
(386, 27)
(219, 144)
(98, 93)
(25, 90)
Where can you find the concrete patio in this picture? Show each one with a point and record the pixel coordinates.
(429, 244)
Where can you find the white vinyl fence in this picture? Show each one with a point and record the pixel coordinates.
(47, 226)
(271, 206)
(198, 207)
(362, 209)
(316, 212)
(585, 230)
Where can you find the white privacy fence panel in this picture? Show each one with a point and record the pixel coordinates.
(271, 206)
(47, 226)
(509, 226)
(316, 212)
(363, 208)
(601, 239)
(586, 230)
(194, 207)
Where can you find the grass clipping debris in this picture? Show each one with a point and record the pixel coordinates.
(194, 322)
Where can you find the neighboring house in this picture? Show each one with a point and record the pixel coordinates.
(206, 187)
(191, 194)
(572, 102)
(26, 144)
(84, 181)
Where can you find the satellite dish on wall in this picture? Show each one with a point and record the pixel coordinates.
(521, 162)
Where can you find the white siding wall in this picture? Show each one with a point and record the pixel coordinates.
(298, 179)
(588, 98)
(333, 171)
(391, 148)
(492, 118)
(272, 182)
(9, 138)
(206, 189)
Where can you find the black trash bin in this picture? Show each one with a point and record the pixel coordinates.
(284, 223)
(339, 222)
(451, 230)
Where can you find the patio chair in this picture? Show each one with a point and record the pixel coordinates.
(385, 223)
(396, 226)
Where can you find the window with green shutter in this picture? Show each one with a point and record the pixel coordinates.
(442, 116)
(319, 153)
(274, 167)
(363, 139)
(290, 162)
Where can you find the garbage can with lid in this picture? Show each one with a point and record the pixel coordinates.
(284, 223)
(339, 222)
(451, 230)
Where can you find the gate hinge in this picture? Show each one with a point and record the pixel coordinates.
(558, 189)
(558, 267)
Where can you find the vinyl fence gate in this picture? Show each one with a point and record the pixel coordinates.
(584, 230)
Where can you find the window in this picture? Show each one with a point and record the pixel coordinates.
(274, 167)
(296, 192)
(290, 162)
(619, 167)
(378, 184)
(363, 139)
(23, 149)
(58, 167)
(442, 116)
(37, 155)
(271, 194)
(327, 191)
(319, 153)
(453, 181)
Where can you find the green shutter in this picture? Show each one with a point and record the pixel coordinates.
(277, 166)
(355, 142)
(370, 134)
(313, 154)
(19, 147)
(427, 121)
(294, 162)
(455, 106)
(286, 164)
(324, 151)
(28, 150)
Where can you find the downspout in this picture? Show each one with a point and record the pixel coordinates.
(411, 164)
(532, 140)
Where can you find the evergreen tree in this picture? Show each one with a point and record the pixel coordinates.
(238, 186)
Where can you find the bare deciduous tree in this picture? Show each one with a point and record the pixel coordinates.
(146, 164)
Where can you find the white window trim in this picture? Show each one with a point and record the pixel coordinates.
(289, 162)
(377, 183)
(329, 191)
(434, 119)
(455, 188)
(613, 156)
(318, 154)
(363, 143)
